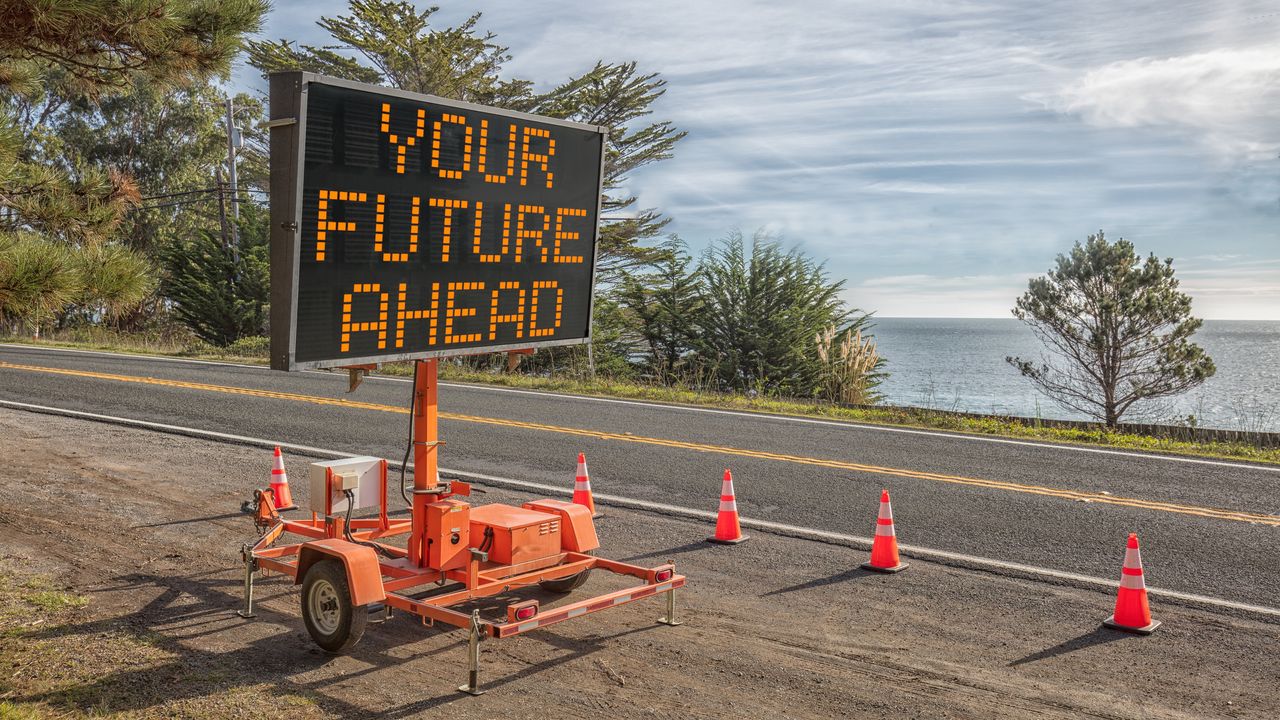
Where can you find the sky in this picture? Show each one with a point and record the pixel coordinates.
(936, 154)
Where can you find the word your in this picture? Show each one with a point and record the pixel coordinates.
(520, 149)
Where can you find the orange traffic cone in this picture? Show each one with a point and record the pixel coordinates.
(582, 488)
(728, 531)
(1132, 614)
(884, 549)
(280, 485)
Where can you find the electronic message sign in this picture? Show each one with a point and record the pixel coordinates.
(410, 226)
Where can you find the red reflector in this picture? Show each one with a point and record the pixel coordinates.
(527, 612)
(662, 575)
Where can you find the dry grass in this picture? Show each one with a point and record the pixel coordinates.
(849, 363)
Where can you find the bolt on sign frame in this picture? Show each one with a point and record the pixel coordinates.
(344, 158)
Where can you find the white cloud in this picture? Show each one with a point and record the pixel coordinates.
(1229, 98)
(924, 295)
(895, 140)
(1220, 289)
(1226, 286)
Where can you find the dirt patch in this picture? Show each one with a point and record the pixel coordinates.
(121, 573)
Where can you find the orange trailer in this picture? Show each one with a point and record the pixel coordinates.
(454, 553)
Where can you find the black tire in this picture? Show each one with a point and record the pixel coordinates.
(333, 622)
(566, 584)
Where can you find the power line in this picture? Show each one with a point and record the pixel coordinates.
(173, 204)
(178, 194)
(202, 190)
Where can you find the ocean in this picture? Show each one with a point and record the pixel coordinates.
(958, 364)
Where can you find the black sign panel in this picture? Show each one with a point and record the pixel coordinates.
(408, 226)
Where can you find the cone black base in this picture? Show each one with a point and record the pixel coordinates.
(1147, 630)
(889, 570)
(735, 541)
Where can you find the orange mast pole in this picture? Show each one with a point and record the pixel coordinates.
(425, 461)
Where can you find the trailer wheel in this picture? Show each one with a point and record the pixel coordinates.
(566, 584)
(333, 622)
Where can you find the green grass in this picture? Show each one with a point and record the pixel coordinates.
(172, 343)
(29, 604)
(13, 711)
(39, 593)
(255, 351)
(57, 661)
(32, 598)
(54, 601)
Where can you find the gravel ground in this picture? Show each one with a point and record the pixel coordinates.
(145, 526)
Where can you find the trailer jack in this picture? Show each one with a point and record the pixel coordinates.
(473, 657)
(250, 566)
(670, 618)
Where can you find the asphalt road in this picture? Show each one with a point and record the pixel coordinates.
(1211, 528)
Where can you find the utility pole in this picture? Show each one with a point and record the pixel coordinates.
(232, 134)
(222, 208)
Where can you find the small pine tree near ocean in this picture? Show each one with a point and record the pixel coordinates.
(1116, 331)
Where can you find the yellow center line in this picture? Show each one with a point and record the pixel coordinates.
(1217, 513)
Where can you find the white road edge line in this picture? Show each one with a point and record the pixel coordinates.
(940, 556)
(712, 411)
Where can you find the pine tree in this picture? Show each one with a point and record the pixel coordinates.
(396, 45)
(762, 308)
(99, 46)
(1117, 331)
(37, 278)
(53, 54)
(219, 297)
(666, 303)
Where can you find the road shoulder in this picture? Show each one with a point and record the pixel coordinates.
(144, 527)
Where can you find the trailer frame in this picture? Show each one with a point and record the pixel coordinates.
(400, 570)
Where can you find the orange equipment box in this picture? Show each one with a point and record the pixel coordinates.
(448, 534)
(518, 534)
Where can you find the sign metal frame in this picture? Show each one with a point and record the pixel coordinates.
(288, 125)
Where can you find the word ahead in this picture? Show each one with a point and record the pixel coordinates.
(407, 226)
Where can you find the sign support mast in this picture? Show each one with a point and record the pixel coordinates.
(426, 461)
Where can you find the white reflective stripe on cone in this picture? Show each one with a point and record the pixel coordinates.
(885, 530)
(728, 505)
(1132, 582)
(581, 485)
(886, 512)
(1133, 558)
(726, 487)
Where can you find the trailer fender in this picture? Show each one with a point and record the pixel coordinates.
(577, 530)
(364, 576)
